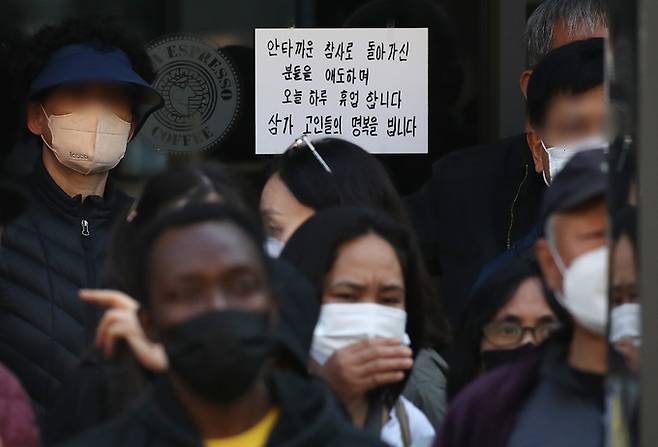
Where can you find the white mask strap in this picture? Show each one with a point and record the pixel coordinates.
(552, 248)
(51, 132)
(548, 183)
(44, 111)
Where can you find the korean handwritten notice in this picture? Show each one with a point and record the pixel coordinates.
(365, 85)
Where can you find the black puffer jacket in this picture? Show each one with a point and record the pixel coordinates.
(55, 248)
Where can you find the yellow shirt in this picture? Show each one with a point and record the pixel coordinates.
(256, 436)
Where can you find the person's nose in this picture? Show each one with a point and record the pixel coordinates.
(528, 337)
(218, 300)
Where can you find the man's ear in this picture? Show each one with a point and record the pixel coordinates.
(146, 320)
(36, 121)
(548, 266)
(523, 82)
(534, 143)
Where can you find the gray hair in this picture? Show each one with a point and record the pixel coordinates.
(578, 16)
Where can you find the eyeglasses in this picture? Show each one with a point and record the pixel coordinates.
(305, 141)
(505, 334)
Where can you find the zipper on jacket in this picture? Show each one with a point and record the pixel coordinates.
(85, 227)
(89, 311)
(511, 213)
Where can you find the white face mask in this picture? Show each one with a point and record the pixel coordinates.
(585, 286)
(626, 321)
(559, 156)
(273, 247)
(90, 141)
(341, 325)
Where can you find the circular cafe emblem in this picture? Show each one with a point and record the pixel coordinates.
(200, 90)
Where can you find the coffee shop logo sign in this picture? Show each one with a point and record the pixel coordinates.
(201, 94)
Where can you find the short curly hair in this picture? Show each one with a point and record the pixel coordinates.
(104, 32)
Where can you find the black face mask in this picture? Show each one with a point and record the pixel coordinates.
(495, 358)
(219, 354)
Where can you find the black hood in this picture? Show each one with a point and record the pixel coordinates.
(47, 192)
(298, 313)
(309, 416)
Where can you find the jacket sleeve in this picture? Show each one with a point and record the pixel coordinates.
(426, 387)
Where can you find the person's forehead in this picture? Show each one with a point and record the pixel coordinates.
(623, 257)
(278, 200)
(369, 252)
(565, 106)
(527, 295)
(583, 218)
(276, 189)
(203, 246)
(528, 288)
(91, 87)
(593, 96)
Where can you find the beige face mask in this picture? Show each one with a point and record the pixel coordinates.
(90, 141)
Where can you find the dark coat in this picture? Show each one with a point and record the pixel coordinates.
(17, 424)
(485, 412)
(46, 256)
(478, 202)
(539, 400)
(97, 391)
(309, 416)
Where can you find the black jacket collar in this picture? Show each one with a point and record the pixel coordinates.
(49, 193)
(525, 188)
(555, 368)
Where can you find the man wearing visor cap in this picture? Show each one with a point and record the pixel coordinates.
(88, 93)
(554, 395)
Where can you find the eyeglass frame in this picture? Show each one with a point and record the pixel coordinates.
(556, 326)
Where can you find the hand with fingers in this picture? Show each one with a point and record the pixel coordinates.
(628, 348)
(365, 365)
(120, 322)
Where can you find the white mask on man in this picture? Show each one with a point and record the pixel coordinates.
(585, 288)
(89, 141)
(559, 156)
(341, 325)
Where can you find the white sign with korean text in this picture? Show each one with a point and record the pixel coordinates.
(365, 85)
